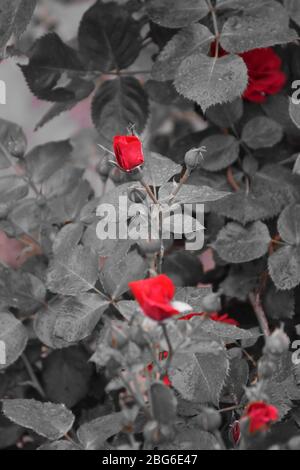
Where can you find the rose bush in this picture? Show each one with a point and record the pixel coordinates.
(160, 343)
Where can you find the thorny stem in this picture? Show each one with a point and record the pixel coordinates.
(231, 180)
(170, 347)
(148, 189)
(33, 376)
(260, 314)
(183, 180)
(216, 27)
(231, 408)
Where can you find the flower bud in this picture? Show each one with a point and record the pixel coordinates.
(103, 168)
(235, 433)
(209, 420)
(212, 303)
(278, 343)
(129, 152)
(136, 195)
(193, 159)
(294, 443)
(266, 368)
(4, 210)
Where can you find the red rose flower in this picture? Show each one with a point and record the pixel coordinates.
(155, 296)
(129, 152)
(213, 316)
(264, 70)
(261, 416)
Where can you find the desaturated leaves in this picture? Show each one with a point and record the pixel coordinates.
(118, 103)
(46, 419)
(257, 26)
(94, 434)
(237, 244)
(284, 264)
(14, 336)
(272, 189)
(13, 140)
(222, 151)
(186, 42)
(74, 268)
(210, 81)
(50, 66)
(293, 8)
(175, 13)
(109, 38)
(15, 16)
(44, 160)
(67, 320)
(262, 132)
(196, 377)
(67, 375)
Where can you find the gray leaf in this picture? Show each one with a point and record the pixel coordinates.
(12, 188)
(289, 224)
(190, 194)
(210, 81)
(121, 268)
(293, 8)
(158, 169)
(163, 403)
(262, 132)
(284, 267)
(173, 14)
(76, 273)
(199, 378)
(14, 336)
(224, 115)
(13, 139)
(93, 435)
(44, 160)
(193, 296)
(263, 26)
(117, 104)
(66, 376)
(69, 320)
(46, 419)
(237, 244)
(183, 44)
(222, 151)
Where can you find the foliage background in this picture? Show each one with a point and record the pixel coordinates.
(63, 292)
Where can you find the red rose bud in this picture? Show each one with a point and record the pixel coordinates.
(155, 296)
(129, 152)
(264, 70)
(261, 416)
(235, 433)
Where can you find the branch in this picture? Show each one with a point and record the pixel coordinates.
(260, 314)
